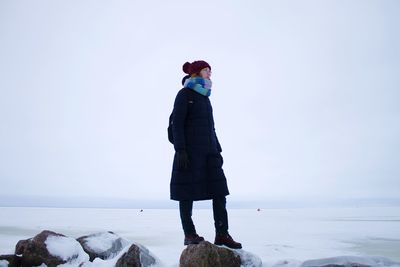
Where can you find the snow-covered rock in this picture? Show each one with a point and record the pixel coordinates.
(128, 256)
(248, 259)
(50, 249)
(137, 255)
(103, 245)
(35, 253)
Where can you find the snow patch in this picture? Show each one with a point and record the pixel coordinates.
(66, 248)
(103, 241)
(106, 263)
(3, 263)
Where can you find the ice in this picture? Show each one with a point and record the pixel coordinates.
(279, 237)
(348, 261)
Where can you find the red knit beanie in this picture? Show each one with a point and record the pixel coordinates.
(195, 66)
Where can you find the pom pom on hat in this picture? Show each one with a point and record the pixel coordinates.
(195, 66)
(186, 68)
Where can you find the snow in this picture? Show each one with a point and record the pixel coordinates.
(106, 263)
(3, 263)
(348, 260)
(278, 237)
(103, 241)
(66, 248)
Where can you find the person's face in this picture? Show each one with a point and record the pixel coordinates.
(205, 73)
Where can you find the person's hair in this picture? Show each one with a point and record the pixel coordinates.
(184, 78)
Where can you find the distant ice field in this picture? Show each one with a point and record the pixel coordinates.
(275, 235)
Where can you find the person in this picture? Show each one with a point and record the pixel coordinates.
(197, 172)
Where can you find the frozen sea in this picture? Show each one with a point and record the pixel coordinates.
(275, 235)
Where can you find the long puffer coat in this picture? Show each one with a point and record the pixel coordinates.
(193, 131)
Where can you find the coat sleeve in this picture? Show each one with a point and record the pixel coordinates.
(178, 121)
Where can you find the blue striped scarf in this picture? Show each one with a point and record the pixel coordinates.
(199, 84)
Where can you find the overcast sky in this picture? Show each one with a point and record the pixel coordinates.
(305, 96)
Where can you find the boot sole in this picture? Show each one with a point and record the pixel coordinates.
(238, 247)
(192, 242)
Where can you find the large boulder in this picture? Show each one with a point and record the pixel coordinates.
(103, 245)
(136, 256)
(206, 254)
(51, 249)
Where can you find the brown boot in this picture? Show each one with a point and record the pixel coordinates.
(227, 240)
(192, 239)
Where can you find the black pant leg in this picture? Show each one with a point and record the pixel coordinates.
(185, 210)
(220, 215)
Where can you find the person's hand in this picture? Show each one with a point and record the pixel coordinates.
(183, 159)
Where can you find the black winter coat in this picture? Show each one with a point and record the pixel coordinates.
(193, 131)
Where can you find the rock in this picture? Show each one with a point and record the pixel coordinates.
(34, 251)
(10, 261)
(136, 256)
(51, 249)
(21, 245)
(206, 254)
(131, 258)
(104, 245)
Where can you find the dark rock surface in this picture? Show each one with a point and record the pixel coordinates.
(13, 260)
(206, 254)
(136, 256)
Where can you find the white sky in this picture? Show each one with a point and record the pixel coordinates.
(305, 95)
